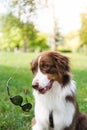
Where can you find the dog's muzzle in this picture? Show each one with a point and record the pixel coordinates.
(36, 86)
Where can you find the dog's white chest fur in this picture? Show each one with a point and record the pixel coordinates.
(54, 100)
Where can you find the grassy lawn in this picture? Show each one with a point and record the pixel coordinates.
(17, 67)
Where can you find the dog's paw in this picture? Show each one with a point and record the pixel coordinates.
(33, 121)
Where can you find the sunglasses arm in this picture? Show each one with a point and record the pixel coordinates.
(8, 87)
(26, 100)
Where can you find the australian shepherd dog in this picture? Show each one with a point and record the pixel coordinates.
(54, 91)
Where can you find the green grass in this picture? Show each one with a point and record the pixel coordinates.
(17, 66)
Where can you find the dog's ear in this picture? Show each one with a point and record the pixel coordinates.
(62, 67)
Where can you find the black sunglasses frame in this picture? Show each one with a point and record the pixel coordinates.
(17, 100)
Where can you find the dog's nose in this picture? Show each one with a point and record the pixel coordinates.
(35, 85)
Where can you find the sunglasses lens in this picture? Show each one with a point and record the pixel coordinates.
(17, 100)
(26, 107)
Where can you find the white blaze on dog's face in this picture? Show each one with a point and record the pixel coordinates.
(49, 67)
(40, 77)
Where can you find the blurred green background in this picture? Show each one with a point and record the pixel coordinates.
(21, 40)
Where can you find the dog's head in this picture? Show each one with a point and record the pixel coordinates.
(49, 67)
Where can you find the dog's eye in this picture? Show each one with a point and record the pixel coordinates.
(46, 65)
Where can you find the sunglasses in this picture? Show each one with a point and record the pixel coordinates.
(17, 100)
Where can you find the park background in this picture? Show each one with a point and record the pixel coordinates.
(27, 28)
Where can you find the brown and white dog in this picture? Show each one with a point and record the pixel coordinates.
(55, 94)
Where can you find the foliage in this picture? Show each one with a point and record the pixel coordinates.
(72, 41)
(10, 32)
(24, 9)
(17, 28)
(83, 29)
(19, 34)
(40, 42)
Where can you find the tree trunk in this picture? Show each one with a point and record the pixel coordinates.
(25, 46)
(53, 43)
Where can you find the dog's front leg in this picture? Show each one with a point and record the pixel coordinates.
(36, 125)
(33, 122)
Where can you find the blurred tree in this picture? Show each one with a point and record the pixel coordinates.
(24, 10)
(56, 37)
(72, 41)
(83, 29)
(10, 31)
(40, 42)
(17, 26)
(16, 33)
